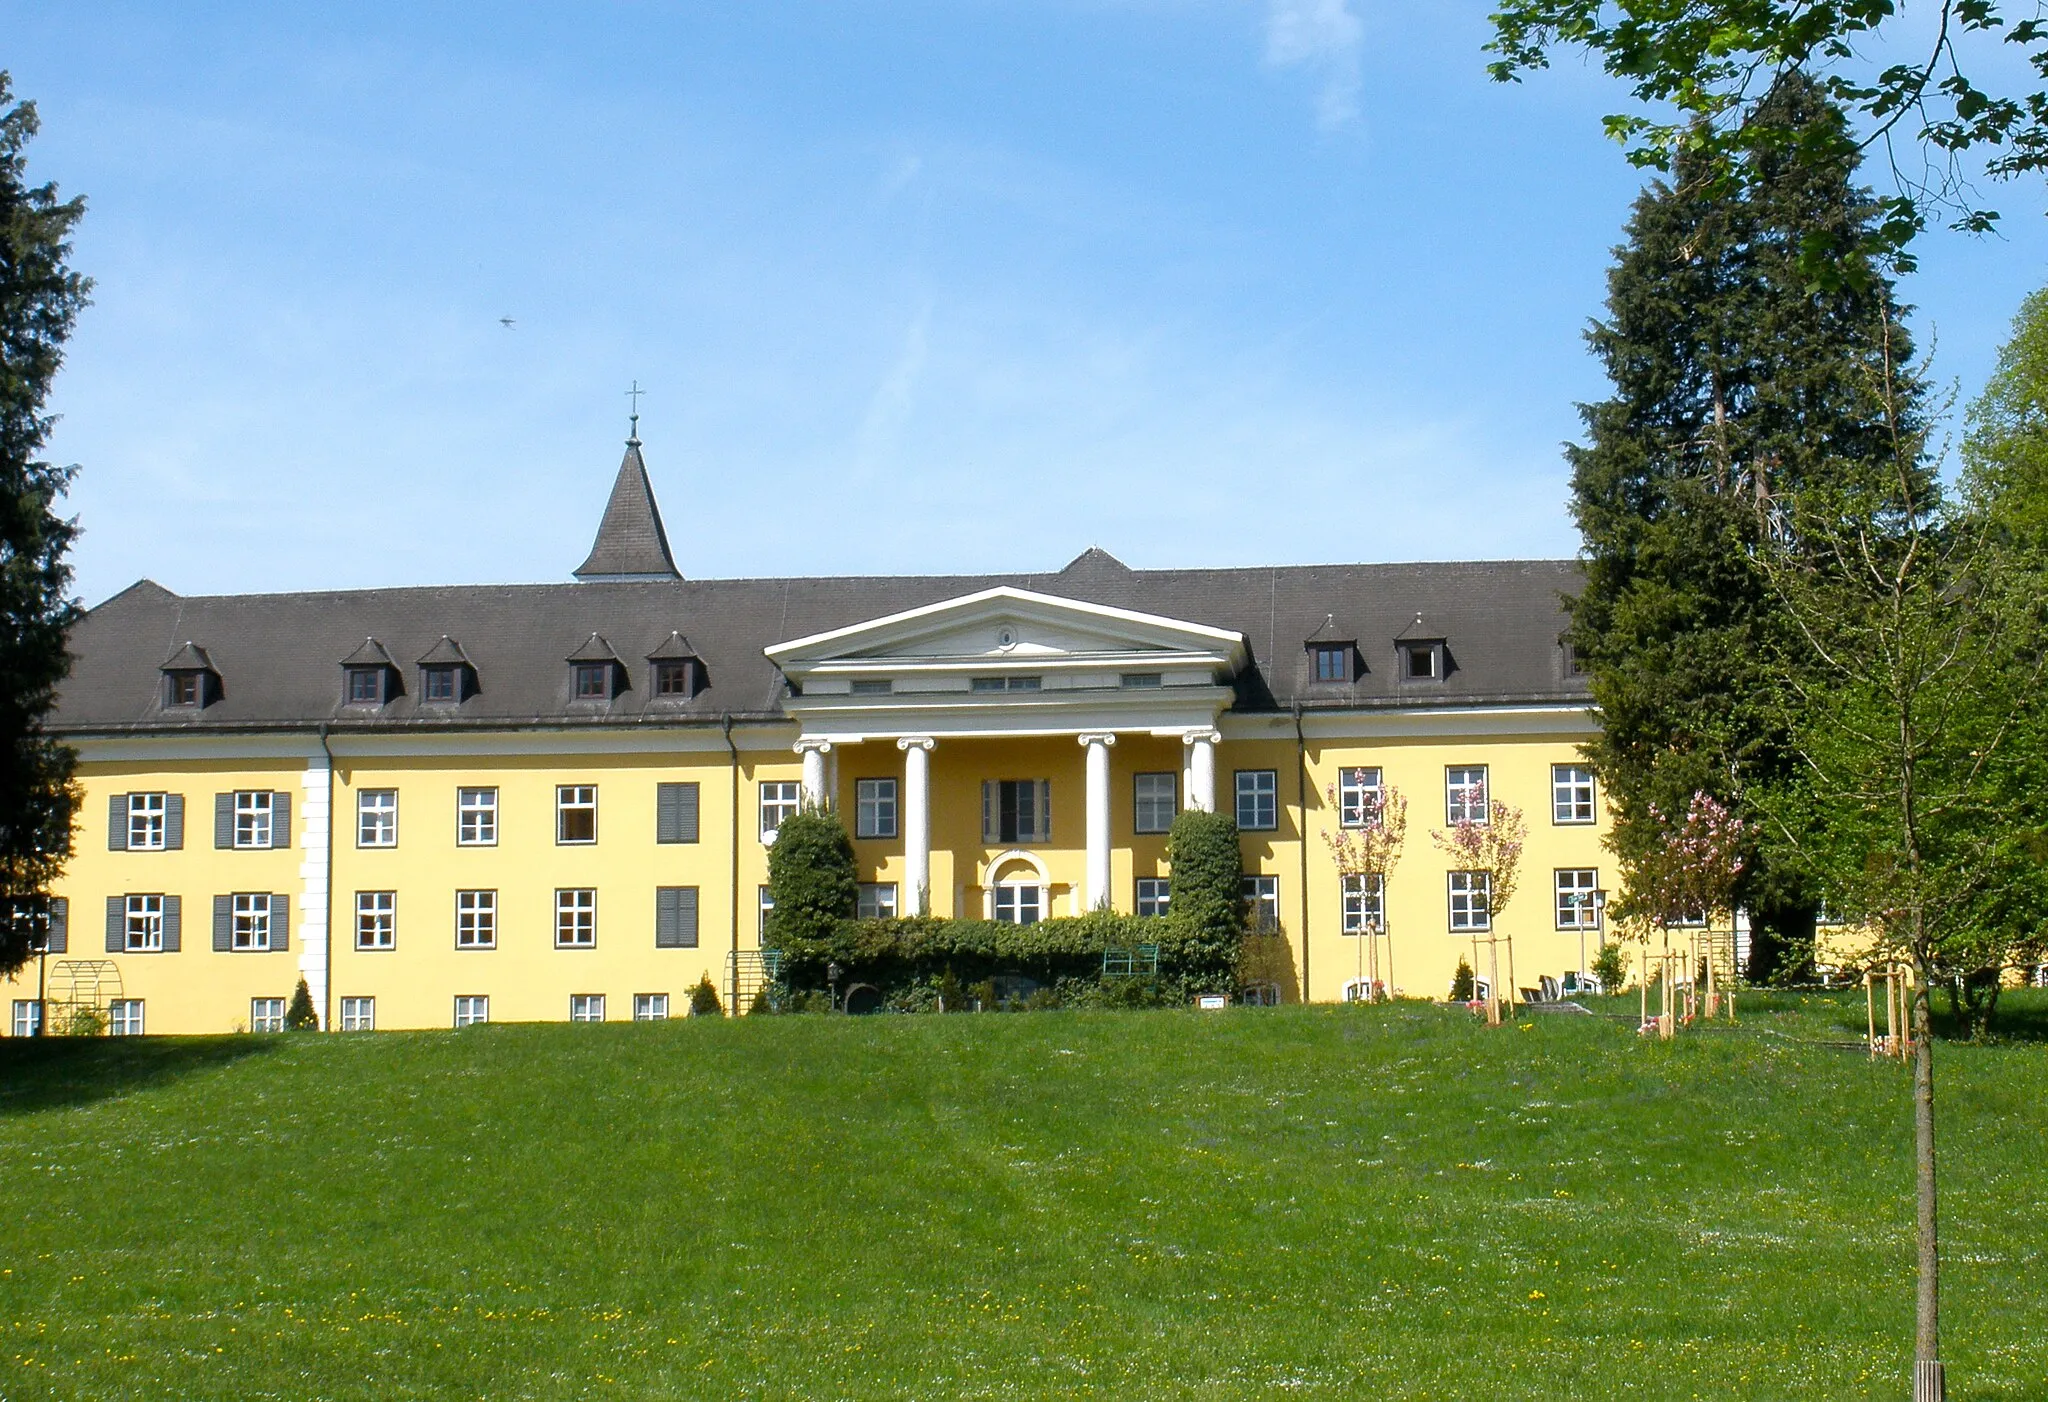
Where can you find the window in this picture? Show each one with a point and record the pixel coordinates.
(249, 928)
(1419, 662)
(1364, 902)
(586, 1007)
(476, 817)
(593, 681)
(1141, 680)
(184, 689)
(1578, 899)
(1359, 795)
(359, 1014)
(252, 820)
(1574, 661)
(28, 1017)
(476, 919)
(377, 818)
(872, 686)
(364, 686)
(575, 814)
(1465, 794)
(1333, 661)
(874, 808)
(780, 800)
(675, 812)
(1258, 799)
(576, 919)
(146, 827)
(876, 901)
(767, 909)
(650, 1007)
(145, 925)
(1471, 900)
(472, 1009)
(1006, 683)
(266, 1014)
(675, 917)
(1155, 798)
(1262, 903)
(1154, 895)
(673, 679)
(376, 919)
(1016, 810)
(1019, 903)
(124, 1017)
(440, 684)
(1571, 793)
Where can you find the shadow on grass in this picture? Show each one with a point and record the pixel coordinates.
(49, 1073)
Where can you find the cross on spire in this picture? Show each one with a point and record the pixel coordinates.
(633, 434)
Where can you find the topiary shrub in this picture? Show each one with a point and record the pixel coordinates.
(811, 878)
(704, 999)
(1462, 987)
(1206, 884)
(300, 1017)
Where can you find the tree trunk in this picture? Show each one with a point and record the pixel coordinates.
(1927, 1371)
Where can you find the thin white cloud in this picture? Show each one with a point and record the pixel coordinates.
(1324, 37)
(890, 407)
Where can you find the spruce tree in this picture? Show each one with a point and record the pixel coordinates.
(40, 298)
(1735, 380)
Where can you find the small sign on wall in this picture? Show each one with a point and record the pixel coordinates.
(1212, 1002)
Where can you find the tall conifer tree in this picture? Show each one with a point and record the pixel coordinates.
(40, 298)
(1735, 379)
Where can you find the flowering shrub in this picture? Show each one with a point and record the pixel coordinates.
(1692, 873)
(1374, 846)
(1494, 847)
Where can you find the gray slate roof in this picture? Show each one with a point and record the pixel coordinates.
(277, 654)
(631, 542)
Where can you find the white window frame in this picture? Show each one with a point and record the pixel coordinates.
(874, 808)
(145, 925)
(1360, 791)
(575, 798)
(359, 1014)
(586, 1007)
(1470, 894)
(472, 1009)
(249, 922)
(650, 1007)
(1573, 795)
(1261, 895)
(1466, 799)
(1017, 902)
(575, 917)
(767, 909)
(476, 919)
(148, 821)
(781, 800)
(1260, 789)
(254, 815)
(28, 1017)
(1576, 897)
(124, 1017)
(377, 818)
(1147, 814)
(1364, 896)
(376, 920)
(1153, 896)
(476, 817)
(266, 1014)
(876, 901)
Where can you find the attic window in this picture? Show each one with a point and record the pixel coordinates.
(872, 686)
(364, 686)
(593, 681)
(184, 688)
(674, 679)
(1332, 660)
(1006, 683)
(440, 684)
(1143, 679)
(1574, 663)
(1420, 662)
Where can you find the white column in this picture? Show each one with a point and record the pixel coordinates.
(1201, 769)
(1098, 747)
(814, 752)
(917, 822)
(316, 811)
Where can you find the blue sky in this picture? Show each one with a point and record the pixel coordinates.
(912, 285)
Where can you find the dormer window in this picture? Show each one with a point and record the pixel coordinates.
(675, 672)
(674, 679)
(365, 686)
(368, 675)
(1333, 661)
(190, 681)
(593, 681)
(1419, 662)
(1574, 662)
(446, 677)
(439, 684)
(595, 671)
(184, 688)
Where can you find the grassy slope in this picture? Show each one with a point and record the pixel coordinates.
(1326, 1201)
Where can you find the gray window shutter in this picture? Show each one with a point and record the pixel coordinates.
(280, 820)
(223, 820)
(686, 917)
(280, 922)
(675, 917)
(688, 814)
(675, 815)
(58, 940)
(117, 924)
(990, 824)
(174, 821)
(174, 925)
(223, 923)
(117, 823)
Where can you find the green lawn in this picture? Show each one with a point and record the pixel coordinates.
(1319, 1202)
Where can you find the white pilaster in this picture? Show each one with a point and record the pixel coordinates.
(1098, 746)
(1201, 769)
(814, 753)
(316, 877)
(917, 822)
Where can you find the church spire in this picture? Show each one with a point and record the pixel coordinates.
(630, 544)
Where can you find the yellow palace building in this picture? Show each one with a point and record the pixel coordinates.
(442, 806)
